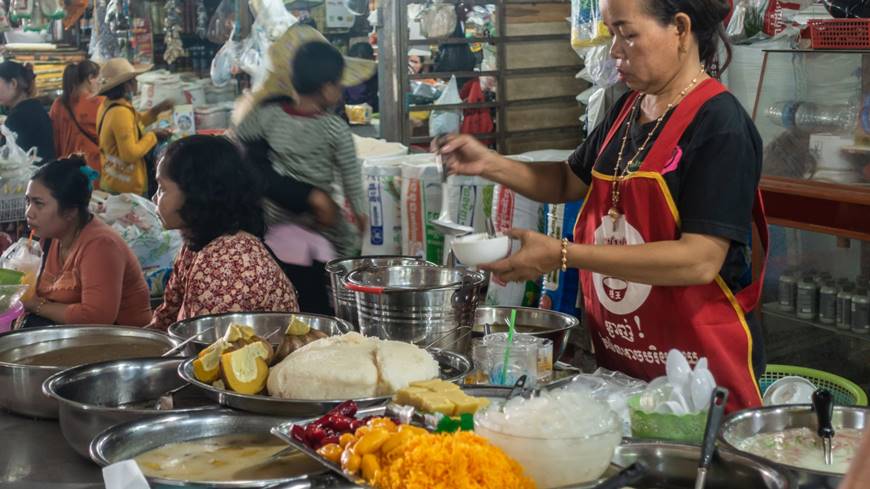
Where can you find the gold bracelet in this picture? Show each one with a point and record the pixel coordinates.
(38, 308)
(564, 254)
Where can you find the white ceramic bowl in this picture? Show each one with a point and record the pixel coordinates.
(789, 390)
(478, 249)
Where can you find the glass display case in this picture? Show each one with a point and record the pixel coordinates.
(813, 112)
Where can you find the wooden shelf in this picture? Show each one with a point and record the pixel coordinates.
(822, 207)
(772, 309)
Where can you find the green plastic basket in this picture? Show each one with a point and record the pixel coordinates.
(846, 392)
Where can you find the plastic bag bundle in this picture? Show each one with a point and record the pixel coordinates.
(587, 27)
(16, 164)
(135, 218)
(104, 45)
(117, 19)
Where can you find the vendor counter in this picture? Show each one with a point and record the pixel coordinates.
(34, 455)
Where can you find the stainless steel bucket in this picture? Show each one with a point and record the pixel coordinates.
(343, 300)
(417, 304)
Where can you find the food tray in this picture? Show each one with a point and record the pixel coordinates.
(454, 368)
(284, 430)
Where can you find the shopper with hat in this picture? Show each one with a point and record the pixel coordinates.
(124, 144)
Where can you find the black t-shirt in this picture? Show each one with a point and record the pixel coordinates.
(714, 185)
(32, 127)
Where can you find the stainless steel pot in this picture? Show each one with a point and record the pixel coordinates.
(343, 300)
(264, 323)
(93, 397)
(675, 466)
(744, 424)
(129, 440)
(552, 325)
(417, 304)
(21, 383)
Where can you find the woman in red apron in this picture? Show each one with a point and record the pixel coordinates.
(670, 181)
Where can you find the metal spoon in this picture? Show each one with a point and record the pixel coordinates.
(445, 223)
(184, 343)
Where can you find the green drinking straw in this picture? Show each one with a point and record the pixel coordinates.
(507, 350)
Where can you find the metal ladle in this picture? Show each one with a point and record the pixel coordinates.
(445, 223)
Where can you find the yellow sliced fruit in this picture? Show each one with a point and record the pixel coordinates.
(245, 370)
(239, 332)
(206, 367)
(371, 442)
(297, 327)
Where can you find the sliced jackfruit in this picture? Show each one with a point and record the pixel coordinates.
(245, 370)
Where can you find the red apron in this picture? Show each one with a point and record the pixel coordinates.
(635, 325)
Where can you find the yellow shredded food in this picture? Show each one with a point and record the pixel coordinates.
(450, 461)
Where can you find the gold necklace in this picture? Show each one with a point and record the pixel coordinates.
(620, 174)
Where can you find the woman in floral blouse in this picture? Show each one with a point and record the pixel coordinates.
(205, 191)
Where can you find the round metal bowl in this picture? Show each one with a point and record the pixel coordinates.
(129, 440)
(21, 382)
(264, 323)
(97, 396)
(744, 424)
(454, 367)
(555, 326)
(675, 466)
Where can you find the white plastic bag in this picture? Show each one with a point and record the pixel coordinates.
(224, 63)
(135, 218)
(446, 121)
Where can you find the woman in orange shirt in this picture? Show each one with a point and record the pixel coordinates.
(89, 274)
(74, 114)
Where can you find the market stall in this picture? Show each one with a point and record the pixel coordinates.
(433, 369)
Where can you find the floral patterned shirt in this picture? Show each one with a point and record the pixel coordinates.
(231, 274)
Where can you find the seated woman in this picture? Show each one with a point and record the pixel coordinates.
(206, 191)
(89, 274)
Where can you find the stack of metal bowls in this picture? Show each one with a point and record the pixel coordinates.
(344, 300)
(417, 304)
(22, 373)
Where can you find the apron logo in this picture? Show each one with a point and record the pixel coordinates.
(617, 295)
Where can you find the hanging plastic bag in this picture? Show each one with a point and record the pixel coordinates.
(252, 55)
(225, 62)
(222, 23)
(201, 20)
(116, 19)
(272, 16)
(599, 67)
(446, 121)
(587, 27)
(736, 25)
(13, 157)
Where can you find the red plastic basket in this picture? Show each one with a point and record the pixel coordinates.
(840, 33)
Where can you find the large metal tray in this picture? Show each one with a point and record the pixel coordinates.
(283, 431)
(454, 367)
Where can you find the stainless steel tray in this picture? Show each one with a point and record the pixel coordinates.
(454, 368)
(283, 431)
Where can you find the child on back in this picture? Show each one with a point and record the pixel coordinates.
(308, 143)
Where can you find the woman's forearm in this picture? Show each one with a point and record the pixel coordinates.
(542, 182)
(694, 259)
(54, 311)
